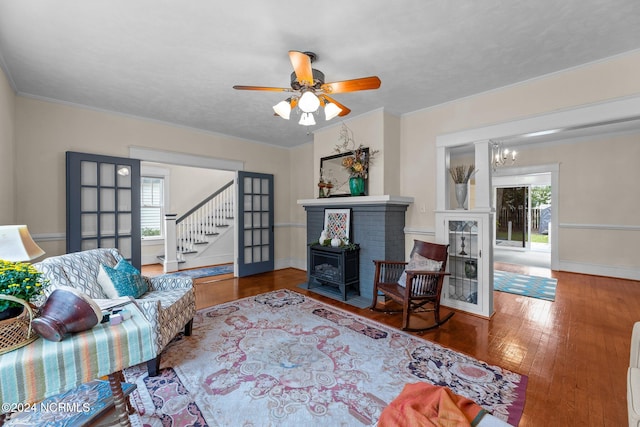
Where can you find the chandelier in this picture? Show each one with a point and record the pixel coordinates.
(501, 156)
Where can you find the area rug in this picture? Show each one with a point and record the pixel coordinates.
(284, 359)
(197, 273)
(527, 286)
(76, 407)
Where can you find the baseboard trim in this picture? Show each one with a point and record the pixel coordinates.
(600, 270)
(300, 264)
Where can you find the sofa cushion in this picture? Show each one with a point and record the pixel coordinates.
(78, 270)
(123, 280)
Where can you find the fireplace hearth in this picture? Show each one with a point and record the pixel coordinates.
(377, 225)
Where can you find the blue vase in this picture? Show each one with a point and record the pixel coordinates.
(356, 186)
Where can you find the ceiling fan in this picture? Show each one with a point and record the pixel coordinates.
(310, 90)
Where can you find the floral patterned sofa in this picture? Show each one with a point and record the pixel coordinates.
(169, 304)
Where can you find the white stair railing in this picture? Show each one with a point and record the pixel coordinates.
(200, 224)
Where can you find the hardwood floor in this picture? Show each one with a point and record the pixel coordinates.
(575, 350)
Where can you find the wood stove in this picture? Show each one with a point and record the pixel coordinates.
(337, 268)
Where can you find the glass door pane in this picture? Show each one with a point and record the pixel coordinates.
(103, 204)
(464, 252)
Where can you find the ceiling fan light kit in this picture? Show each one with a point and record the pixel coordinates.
(309, 102)
(306, 119)
(331, 110)
(283, 109)
(310, 90)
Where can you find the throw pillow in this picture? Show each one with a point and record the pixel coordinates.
(418, 262)
(123, 280)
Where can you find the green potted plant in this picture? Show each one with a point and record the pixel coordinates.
(20, 280)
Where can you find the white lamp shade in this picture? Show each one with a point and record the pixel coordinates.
(331, 110)
(309, 102)
(16, 244)
(306, 119)
(283, 109)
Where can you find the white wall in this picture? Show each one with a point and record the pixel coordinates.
(43, 131)
(7, 152)
(303, 186)
(590, 163)
(46, 130)
(581, 166)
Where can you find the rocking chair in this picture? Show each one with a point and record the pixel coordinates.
(416, 286)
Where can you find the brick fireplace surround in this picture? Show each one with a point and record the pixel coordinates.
(377, 225)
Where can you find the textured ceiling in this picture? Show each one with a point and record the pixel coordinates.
(176, 61)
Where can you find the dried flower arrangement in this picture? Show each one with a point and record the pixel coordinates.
(461, 174)
(357, 164)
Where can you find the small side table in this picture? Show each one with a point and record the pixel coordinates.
(45, 368)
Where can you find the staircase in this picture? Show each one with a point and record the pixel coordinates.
(203, 235)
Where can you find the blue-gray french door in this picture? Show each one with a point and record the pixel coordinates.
(103, 204)
(255, 223)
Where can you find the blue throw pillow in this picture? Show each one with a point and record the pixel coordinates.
(123, 280)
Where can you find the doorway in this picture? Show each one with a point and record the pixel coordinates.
(512, 217)
(523, 227)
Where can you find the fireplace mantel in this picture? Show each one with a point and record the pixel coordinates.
(360, 200)
(377, 226)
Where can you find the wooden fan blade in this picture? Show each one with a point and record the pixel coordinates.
(354, 85)
(325, 98)
(272, 89)
(302, 67)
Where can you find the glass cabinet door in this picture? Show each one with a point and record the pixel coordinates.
(463, 264)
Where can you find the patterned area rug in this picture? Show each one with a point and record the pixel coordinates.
(285, 359)
(527, 286)
(197, 273)
(76, 407)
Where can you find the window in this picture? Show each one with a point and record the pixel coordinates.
(152, 206)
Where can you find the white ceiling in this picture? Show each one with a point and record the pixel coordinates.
(176, 61)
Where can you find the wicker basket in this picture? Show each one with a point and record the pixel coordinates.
(16, 332)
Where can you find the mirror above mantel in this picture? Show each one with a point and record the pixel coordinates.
(331, 169)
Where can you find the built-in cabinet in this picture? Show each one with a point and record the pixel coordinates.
(469, 286)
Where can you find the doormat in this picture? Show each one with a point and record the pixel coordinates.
(527, 286)
(197, 273)
(296, 361)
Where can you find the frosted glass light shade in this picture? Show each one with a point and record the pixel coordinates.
(283, 109)
(16, 244)
(306, 119)
(331, 110)
(309, 102)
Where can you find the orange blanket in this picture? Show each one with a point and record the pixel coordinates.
(423, 404)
